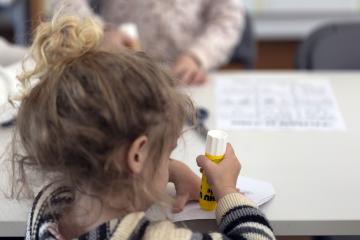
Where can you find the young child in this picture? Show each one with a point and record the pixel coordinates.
(98, 127)
(191, 36)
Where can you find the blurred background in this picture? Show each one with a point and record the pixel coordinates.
(275, 28)
(277, 36)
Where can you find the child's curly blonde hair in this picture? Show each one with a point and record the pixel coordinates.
(88, 104)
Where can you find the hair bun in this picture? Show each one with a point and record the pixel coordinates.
(66, 37)
(61, 40)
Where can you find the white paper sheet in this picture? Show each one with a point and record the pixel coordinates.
(259, 192)
(272, 104)
(10, 87)
(7, 112)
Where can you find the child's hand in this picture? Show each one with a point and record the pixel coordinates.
(223, 176)
(187, 184)
(189, 70)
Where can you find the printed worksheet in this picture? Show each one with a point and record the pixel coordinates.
(269, 103)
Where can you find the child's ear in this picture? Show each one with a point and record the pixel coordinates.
(137, 155)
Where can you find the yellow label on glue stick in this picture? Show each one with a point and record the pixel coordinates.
(207, 199)
(215, 152)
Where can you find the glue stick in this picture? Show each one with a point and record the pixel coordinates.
(216, 141)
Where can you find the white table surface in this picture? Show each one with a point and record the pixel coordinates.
(316, 175)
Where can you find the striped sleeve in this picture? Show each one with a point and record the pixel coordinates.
(239, 218)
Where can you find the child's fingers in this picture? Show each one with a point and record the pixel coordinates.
(201, 161)
(180, 203)
(205, 164)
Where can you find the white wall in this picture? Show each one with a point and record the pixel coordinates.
(295, 19)
(299, 6)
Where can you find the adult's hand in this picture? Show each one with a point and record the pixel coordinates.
(189, 70)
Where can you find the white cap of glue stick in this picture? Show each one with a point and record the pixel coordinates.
(216, 141)
(130, 29)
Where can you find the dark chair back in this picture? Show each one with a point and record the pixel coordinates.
(95, 5)
(17, 15)
(245, 51)
(332, 47)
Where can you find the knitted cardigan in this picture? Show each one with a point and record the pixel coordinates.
(237, 218)
(207, 29)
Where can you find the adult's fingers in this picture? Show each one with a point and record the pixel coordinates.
(200, 77)
(127, 41)
(178, 69)
(188, 77)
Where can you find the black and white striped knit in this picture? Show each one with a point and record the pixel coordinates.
(237, 218)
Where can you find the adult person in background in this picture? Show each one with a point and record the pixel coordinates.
(193, 37)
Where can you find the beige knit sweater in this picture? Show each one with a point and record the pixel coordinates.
(237, 218)
(208, 29)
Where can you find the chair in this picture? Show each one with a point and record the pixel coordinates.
(245, 51)
(95, 5)
(16, 14)
(331, 47)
